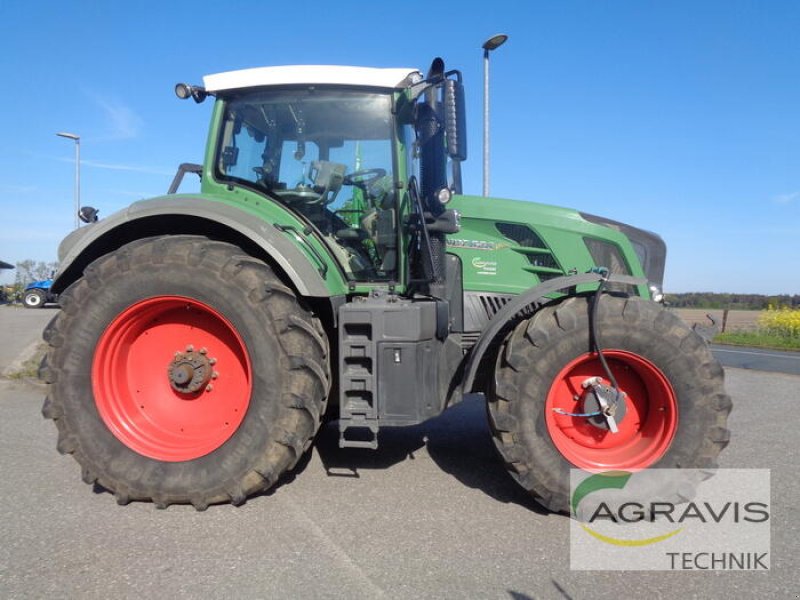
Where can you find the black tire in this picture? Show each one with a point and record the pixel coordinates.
(534, 355)
(287, 348)
(34, 299)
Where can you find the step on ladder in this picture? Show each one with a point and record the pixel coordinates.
(358, 402)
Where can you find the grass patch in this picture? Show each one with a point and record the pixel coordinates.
(758, 339)
(29, 369)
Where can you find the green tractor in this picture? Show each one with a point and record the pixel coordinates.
(332, 268)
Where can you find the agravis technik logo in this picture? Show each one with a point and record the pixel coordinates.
(670, 519)
(612, 480)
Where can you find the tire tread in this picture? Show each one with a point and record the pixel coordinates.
(302, 343)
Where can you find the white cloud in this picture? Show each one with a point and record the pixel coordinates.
(123, 167)
(93, 164)
(785, 199)
(121, 122)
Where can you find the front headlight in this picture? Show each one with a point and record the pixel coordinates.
(656, 294)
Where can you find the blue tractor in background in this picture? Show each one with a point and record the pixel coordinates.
(38, 293)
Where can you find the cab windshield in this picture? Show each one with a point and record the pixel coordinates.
(327, 155)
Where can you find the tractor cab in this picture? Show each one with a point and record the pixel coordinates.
(326, 154)
(341, 148)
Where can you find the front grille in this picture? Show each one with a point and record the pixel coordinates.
(543, 260)
(522, 234)
(533, 247)
(649, 247)
(492, 303)
(481, 307)
(468, 340)
(606, 254)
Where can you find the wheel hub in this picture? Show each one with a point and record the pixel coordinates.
(191, 372)
(603, 403)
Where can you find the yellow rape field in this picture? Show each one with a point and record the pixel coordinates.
(783, 322)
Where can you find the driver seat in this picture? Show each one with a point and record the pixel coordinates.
(327, 178)
(380, 226)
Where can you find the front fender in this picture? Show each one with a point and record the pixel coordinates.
(44, 284)
(530, 298)
(141, 218)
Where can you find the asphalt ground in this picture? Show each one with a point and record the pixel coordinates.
(776, 361)
(20, 333)
(430, 514)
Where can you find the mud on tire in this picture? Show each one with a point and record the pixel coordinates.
(237, 301)
(671, 368)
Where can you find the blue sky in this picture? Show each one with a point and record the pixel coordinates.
(678, 117)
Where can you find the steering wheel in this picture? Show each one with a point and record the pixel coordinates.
(302, 193)
(364, 177)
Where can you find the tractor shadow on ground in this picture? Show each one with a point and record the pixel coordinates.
(458, 441)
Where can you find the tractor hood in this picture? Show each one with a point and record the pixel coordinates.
(41, 284)
(508, 246)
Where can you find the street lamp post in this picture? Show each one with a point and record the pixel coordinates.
(492, 43)
(77, 192)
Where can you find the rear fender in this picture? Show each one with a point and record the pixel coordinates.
(522, 306)
(194, 215)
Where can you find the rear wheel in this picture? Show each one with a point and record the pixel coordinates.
(182, 371)
(544, 409)
(34, 299)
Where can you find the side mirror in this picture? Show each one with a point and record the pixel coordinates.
(455, 119)
(88, 214)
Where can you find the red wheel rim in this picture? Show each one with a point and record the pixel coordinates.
(132, 380)
(645, 432)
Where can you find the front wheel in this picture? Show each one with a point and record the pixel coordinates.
(34, 299)
(182, 371)
(549, 409)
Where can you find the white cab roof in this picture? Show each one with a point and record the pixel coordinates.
(311, 75)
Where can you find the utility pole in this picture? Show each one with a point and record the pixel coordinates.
(77, 191)
(493, 43)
